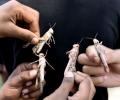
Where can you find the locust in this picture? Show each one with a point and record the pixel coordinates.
(40, 80)
(72, 55)
(101, 54)
(45, 39)
(41, 71)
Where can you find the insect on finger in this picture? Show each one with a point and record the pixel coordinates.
(101, 54)
(43, 40)
(72, 54)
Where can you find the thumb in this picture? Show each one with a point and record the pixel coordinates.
(23, 77)
(63, 91)
(24, 34)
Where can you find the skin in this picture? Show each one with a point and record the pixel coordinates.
(86, 89)
(21, 82)
(23, 78)
(11, 13)
(92, 66)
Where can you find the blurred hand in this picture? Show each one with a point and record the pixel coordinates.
(92, 66)
(19, 85)
(85, 91)
(12, 12)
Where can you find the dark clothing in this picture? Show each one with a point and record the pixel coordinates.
(75, 19)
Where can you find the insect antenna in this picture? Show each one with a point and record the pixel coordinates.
(33, 62)
(53, 40)
(50, 25)
(96, 35)
(88, 38)
(81, 41)
(46, 53)
(53, 25)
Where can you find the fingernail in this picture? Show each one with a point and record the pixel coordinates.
(25, 91)
(33, 73)
(35, 40)
(29, 83)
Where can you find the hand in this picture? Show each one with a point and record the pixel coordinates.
(85, 91)
(92, 66)
(11, 13)
(21, 82)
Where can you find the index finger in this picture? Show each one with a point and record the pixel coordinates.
(83, 59)
(86, 88)
(31, 16)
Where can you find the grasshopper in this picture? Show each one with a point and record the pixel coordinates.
(45, 39)
(101, 54)
(72, 54)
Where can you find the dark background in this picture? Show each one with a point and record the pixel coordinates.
(74, 19)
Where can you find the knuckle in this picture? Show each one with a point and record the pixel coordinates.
(36, 14)
(14, 4)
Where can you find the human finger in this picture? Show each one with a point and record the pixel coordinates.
(31, 88)
(94, 70)
(92, 54)
(83, 59)
(63, 91)
(23, 34)
(32, 95)
(31, 16)
(23, 77)
(86, 88)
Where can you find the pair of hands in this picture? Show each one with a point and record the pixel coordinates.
(20, 86)
(93, 67)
